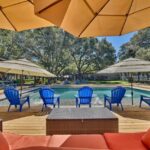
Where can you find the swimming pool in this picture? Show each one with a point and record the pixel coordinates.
(67, 95)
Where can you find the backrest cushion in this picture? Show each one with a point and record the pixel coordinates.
(146, 139)
(56, 148)
(3, 143)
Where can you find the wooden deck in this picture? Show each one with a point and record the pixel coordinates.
(33, 121)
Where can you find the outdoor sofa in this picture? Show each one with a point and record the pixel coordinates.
(107, 141)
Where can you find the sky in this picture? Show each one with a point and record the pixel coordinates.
(117, 41)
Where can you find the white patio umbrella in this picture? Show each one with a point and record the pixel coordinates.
(131, 65)
(23, 67)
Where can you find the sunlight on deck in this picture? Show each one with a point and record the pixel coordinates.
(33, 121)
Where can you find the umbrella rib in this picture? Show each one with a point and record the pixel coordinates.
(30, 2)
(8, 20)
(58, 1)
(89, 7)
(93, 17)
(139, 10)
(126, 17)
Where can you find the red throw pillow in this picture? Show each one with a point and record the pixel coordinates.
(146, 139)
(3, 143)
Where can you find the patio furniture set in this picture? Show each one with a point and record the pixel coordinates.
(84, 97)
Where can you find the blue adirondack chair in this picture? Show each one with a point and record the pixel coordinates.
(117, 95)
(14, 98)
(48, 97)
(84, 96)
(145, 99)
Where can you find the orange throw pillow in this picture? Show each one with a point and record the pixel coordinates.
(3, 143)
(146, 139)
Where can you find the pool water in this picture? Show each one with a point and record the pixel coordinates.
(67, 95)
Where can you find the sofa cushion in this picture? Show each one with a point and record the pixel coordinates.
(124, 141)
(83, 141)
(56, 148)
(3, 143)
(146, 139)
(23, 141)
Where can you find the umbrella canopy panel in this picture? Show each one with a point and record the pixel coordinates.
(19, 15)
(131, 65)
(85, 18)
(23, 67)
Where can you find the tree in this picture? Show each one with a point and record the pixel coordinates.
(81, 55)
(46, 46)
(104, 54)
(90, 54)
(57, 51)
(138, 46)
(143, 54)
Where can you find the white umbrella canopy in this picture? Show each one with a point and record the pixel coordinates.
(131, 65)
(23, 67)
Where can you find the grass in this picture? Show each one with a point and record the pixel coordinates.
(110, 82)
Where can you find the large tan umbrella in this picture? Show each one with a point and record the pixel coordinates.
(23, 67)
(131, 65)
(19, 15)
(84, 18)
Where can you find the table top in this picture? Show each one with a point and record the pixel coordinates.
(80, 113)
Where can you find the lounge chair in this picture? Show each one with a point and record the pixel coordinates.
(84, 96)
(15, 99)
(145, 99)
(117, 95)
(49, 98)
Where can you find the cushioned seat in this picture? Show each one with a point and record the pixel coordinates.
(23, 141)
(73, 141)
(124, 141)
(83, 141)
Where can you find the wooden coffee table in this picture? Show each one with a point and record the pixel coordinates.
(81, 121)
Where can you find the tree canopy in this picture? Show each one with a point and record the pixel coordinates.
(138, 46)
(57, 51)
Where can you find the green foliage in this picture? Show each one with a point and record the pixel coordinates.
(57, 51)
(120, 82)
(138, 46)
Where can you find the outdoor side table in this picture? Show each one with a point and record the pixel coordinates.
(81, 121)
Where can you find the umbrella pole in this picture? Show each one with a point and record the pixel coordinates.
(21, 84)
(132, 89)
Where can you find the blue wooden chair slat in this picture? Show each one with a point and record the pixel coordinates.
(14, 98)
(117, 95)
(145, 99)
(84, 96)
(48, 97)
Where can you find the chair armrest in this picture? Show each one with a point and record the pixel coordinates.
(76, 96)
(24, 97)
(107, 97)
(56, 96)
(145, 97)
